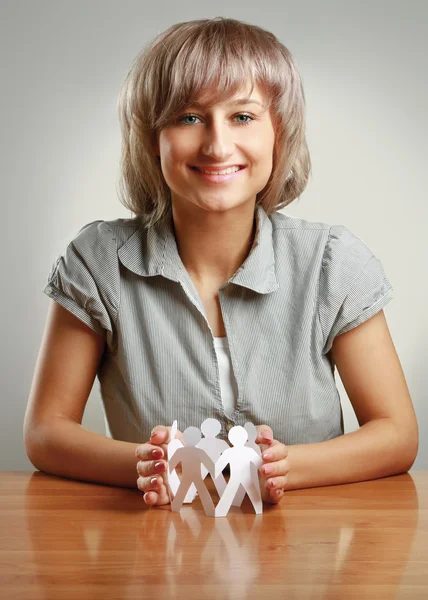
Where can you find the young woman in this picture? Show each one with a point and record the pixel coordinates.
(210, 302)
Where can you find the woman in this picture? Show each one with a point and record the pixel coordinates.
(211, 303)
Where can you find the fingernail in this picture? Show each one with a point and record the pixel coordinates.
(158, 466)
(157, 453)
(278, 492)
(267, 435)
(267, 469)
(267, 455)
(153, 480)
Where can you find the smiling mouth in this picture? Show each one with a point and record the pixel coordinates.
(214, 172)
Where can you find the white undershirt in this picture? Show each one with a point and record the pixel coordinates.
(229, 389)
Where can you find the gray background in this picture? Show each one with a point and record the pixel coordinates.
(364, 68)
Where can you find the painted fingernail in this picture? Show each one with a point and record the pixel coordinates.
(157, 453)
(267, 455)
(153, 480)
(267, 469)
(159, 466)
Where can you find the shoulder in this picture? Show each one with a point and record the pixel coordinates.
(299, 237)
(336, 242)
(286, 223)
(104, 232)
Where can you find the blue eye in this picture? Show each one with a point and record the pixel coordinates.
(189, 115)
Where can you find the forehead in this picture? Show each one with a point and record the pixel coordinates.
(243, 97)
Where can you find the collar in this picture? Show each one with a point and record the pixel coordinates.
(153, 251)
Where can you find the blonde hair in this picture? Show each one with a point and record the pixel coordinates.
(179, 66)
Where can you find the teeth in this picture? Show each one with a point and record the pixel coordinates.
(224, 172)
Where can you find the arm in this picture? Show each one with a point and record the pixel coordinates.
(55, 440)
(174, 461)
(210, 465)
(387, 441)
(220, 464)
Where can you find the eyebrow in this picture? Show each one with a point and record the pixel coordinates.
(239, 101)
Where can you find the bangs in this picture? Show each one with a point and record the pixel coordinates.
(213, 63)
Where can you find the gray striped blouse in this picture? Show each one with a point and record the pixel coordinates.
(302, 284)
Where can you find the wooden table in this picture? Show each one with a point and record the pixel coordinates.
(64, 539)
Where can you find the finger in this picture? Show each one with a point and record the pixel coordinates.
(160, 435)
(264, 434)
(153, 482)
(158, 498)
(151, 467)
(279, 467)
(149, 452)
(275, 496)
(151, 498)
(275, 483)
(276, 451)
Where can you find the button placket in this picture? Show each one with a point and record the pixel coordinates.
(215, 361)
(192, 300)
(221, 295)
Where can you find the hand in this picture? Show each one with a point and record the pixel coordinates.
(153, 465)
(274, 456)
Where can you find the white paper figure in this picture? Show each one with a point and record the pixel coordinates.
(191, 459)
(251, 443)
(173, 478)
(213, 446)
(244, 464)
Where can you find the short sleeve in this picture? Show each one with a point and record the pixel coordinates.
(84, 279)
(353, 286)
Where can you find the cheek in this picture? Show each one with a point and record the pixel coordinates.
(178, 147)
(263, 149)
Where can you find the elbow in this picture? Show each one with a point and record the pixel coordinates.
(408, 450)
(410, 457)
(31, 445)
(36, 446)
(405, 466)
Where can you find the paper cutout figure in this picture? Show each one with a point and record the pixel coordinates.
(251, 443)
(244, 464)
(173, 478)
(191, 459)
(214, 447)
(244, 457)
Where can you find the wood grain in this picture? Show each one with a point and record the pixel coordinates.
(64, 539)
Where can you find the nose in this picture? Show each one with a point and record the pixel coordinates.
(218, 140)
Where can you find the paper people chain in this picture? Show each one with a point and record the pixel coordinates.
(199, 456)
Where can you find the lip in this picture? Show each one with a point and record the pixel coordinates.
(217, 167)
(217, 178)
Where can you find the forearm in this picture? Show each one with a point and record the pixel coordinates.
(371, 452)
(63, 447)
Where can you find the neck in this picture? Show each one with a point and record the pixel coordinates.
(212, 246)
